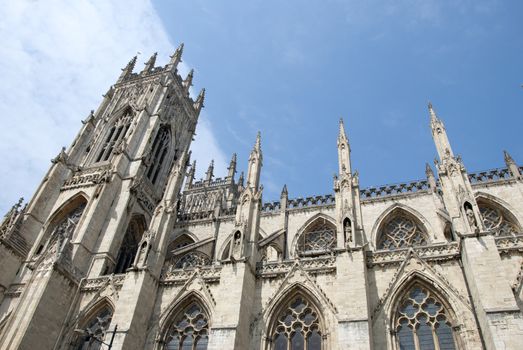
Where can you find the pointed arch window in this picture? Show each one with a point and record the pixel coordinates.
(95, 330)
(129, 245)
(192, 259)
(319, 237)
(400, 231)
(297, 327)
(114, 136)
(158, 153)
(422, 322)
(497, 220)
(189, 331)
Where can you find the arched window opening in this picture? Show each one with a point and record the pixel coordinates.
(227, 251)
(497, 220)
(297, 327)
(191, 260)
(318, 238)
(64, 228)
(422, 322)
(189, 331)
(158, 153)
(115, 135)
(129, 245)
(400, 231)
(449, 236)
(95, 330)
(271, 253)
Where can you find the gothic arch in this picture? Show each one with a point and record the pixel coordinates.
(315, 219)
(176, 310)
(67, 205)
(277, 318)
(130, 242)
(506, 209)
(395, 209)
(225, 249)
(96, 318)
(183, 239)
(449, 308)
(113, 131)
(160, 154)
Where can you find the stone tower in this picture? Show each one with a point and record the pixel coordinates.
(102, 209)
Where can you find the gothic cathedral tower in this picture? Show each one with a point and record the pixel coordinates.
(103, 208)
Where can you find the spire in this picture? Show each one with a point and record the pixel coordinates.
(128, 70)
(232, 167)
(343, 151)
(176, 56)
(209, 173)
(190, 175)
(198, 105)
(255, 164)
(512, 166)
(439, 134)
(187, 83)
(284, 192)
(149, 65)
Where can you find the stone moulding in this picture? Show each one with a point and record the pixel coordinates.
(439, 252)
(94, 284)
(210, 274)
(508, 245)
(15, 290)
(88, 177)
(313, 266)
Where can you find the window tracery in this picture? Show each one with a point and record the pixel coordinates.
(189, 331)
(192, 259)
(317, 238)
(95, 331)
(158, 152)
(129, 245)
(64, 229)
(114, 136)
(297, 327)
(399, 232)
(422, 323)
(496, 221)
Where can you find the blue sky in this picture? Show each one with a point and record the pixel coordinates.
(290, 69)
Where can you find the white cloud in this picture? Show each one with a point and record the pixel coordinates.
(58, 58)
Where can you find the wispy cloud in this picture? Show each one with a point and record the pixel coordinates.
(57, 59)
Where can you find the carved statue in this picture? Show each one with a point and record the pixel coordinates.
(237, 247)
(471, 219)
(347, 230)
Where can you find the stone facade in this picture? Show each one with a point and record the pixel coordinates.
(120, 244)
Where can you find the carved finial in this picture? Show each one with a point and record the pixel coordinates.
(342, 133)
(428, 170)
(128, 70)
(232, 166)
(432, 113)
(198, 105)
(61, 157)
(209, 173)
(508, 158)
(187, 83)
(89, 118)
(176, 57)
(257, 144)
(149, 65)
(512, 166)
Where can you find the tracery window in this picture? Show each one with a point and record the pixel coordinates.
(114, 136)
(422, 323)
(192, 259)
(297, 327)
(496, 221)
(319, 237)
(129, 245)
(189, 331)
(158, 152)
(401, 231)
(95, 331)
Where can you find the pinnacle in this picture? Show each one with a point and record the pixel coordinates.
(342, 129)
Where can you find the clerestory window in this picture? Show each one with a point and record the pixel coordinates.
(319, 237)
(496, 221)
(422, 323)
(401, 231)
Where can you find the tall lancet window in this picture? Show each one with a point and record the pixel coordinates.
(400, 231)
(129, 245)
(297, 327)
(115, 136)
(158, 153)
(422, 322)
(189, 331)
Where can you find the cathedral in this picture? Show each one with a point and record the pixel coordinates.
(122, 248)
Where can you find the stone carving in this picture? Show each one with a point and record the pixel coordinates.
(88, 177)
